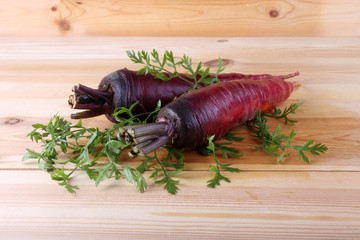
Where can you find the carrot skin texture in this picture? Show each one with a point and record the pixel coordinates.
(128, 87)
(216, 109)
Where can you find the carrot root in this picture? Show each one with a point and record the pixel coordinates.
(124, 87)
(275, 77)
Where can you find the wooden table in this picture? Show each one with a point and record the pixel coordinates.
(295, 200)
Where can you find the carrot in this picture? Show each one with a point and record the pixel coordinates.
(124, 87)
(188, 121)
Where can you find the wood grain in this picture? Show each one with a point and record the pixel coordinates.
(267, 200)
(203, 18)
(257, 206)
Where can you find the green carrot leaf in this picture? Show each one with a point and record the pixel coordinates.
(165, 67)
(232, 137)
(277, 113)
(212, 148)
(276, 143)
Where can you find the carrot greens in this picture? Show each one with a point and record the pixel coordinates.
(276, 142)
(159, 66)
(178, 166)
(213, 148)
(277, 113)
(79, 145)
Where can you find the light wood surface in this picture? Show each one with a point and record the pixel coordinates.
(294, 200)
(202, 18)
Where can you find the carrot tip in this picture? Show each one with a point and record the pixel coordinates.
(296, 84)
(291, 75)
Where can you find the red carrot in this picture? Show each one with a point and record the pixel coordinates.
(188, 121)
(123, 88)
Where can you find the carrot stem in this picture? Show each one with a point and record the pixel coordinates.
(107, 96)
(142, 139)
(146, 138)
(152, 146)
(89, 114)
(157, 129)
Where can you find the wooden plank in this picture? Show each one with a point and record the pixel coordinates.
(253, 206)
(180, 18)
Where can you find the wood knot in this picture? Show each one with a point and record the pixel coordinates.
(12, 121)
(64, 25)
(274, 13)
(215, 62)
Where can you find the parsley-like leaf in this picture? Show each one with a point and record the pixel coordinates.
(165, 166)
(276, 142)
(159, 67)
(215, 181)
(277, 113)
